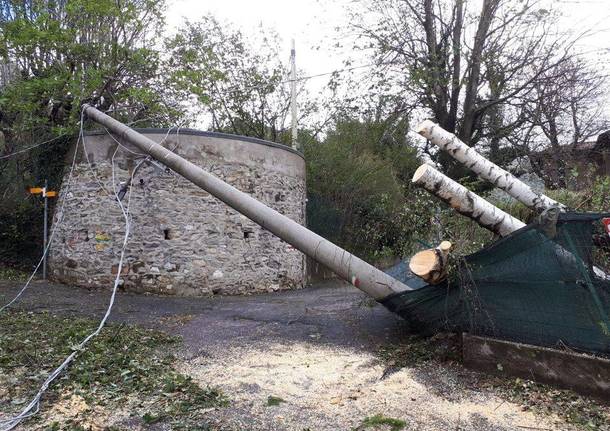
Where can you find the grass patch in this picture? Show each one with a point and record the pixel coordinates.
(380, 420)
(274, 401)
(125, 367)
(12, 274)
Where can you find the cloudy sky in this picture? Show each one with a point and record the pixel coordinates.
(309, 22)
(312, 23)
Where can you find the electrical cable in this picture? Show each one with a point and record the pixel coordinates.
(34, 406)
(6, 156)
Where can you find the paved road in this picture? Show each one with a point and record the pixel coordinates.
(315, 348)
(333, 312)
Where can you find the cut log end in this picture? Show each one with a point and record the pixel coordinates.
(419, 173)
(431, 265)
(445, 246)
(425, 127)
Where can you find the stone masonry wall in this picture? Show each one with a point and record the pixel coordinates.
(183, 240)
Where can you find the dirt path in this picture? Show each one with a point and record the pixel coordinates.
(314, 349)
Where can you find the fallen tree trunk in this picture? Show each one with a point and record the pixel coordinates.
(466, 202)
(484, 168)
(431, 265)
(478, 209)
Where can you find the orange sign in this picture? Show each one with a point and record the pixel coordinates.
(35, 190)
(51, 194)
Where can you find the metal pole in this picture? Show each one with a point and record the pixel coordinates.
(293, 96)
(44, 239)
(365, 277)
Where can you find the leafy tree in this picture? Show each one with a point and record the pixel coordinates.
(239, 86)
(359, 192)
(56, 55)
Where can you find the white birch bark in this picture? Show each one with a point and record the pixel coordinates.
(466, 202)
(478, 209)
(484, 168)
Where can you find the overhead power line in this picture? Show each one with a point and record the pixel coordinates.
(6, 156)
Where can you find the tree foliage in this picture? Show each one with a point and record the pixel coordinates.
(56, 55)
(359, 192)
(239, 85)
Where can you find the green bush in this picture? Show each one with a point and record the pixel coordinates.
(359, 191)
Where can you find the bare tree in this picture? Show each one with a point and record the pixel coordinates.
(464, 62)
(563, 110)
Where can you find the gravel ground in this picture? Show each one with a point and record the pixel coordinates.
(315, 349)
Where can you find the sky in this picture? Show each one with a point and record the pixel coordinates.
(312, 23)
(309, 22)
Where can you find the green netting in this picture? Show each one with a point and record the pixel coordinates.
(537, 286)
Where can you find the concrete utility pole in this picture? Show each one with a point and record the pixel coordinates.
(293, 96)
(365, 277)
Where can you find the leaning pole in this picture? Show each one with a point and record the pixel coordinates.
(484, 168)
(362, 275)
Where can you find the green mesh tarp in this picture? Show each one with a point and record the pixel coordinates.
(539, 285)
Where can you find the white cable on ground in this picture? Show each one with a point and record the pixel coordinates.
(34, 406)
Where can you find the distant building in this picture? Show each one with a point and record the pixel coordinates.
(589, 160)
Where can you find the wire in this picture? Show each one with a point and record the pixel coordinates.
(53, 229)
(302, 78)
(34, 406)
(6, 156)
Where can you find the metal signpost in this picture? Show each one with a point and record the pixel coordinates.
(46, 194)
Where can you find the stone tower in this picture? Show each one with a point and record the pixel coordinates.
(183, 241)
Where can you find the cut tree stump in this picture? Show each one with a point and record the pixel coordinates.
(431, 264)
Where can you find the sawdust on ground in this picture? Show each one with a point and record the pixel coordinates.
(329, 388)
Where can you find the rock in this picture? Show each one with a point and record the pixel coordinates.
(169, 267)
(205, 247)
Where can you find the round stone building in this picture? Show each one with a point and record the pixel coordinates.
(183, 241)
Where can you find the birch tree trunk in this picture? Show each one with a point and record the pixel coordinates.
(484, 168)
(466, 202)
(484, 213)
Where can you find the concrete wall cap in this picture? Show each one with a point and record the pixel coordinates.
(194, 132)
